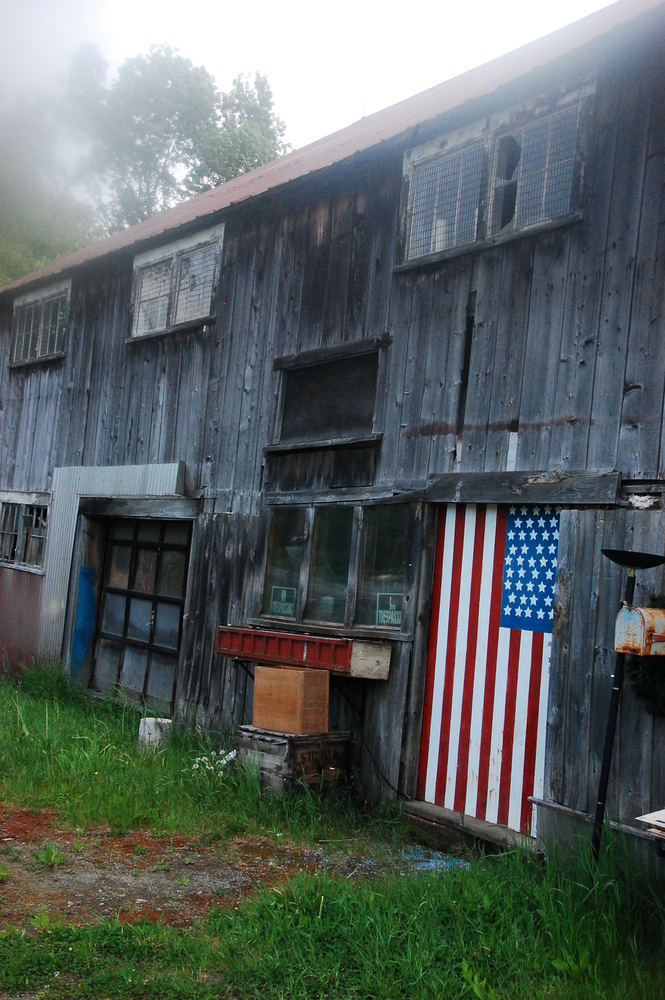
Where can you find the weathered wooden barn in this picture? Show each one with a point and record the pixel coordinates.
(401, 385)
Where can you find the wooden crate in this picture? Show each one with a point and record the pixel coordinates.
(283, 758)
(291, 699)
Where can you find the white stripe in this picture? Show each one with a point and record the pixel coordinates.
(498, 713)
(460, 653)
(539, 771)
(476, 727)
(440, 658)
(519, 732)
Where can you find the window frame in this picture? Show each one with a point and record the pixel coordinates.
(24, 503)
(487, 134)
(39, 299)
(175, 252)
(349, 627)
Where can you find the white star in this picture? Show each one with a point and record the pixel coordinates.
(521, 572)
(507, 585)
(532, 562)
(552, 549)
(518, 612)
(511, 535)
(513, 510)
(543, 561)
(534, 599)
(541, 613)
(541, 522)
(506, 610)
(549, 574)
(533, 536)
(548, 601)
(520, 560)
(556, 534)
(522, 535)
(518, 585)
(541, 586)
(539, 549)
(509, 572)
(529, 585)
(524, 510)
(513, 550)
(512, 598)
(518, 522)
(527, 613)
(529, 522)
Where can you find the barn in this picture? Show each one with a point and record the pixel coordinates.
(389, 395)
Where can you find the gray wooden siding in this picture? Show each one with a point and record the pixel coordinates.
(568, 351)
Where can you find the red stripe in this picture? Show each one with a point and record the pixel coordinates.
(431, 653)
(449, 677)
(490, 670)
(461, 777)
(509, 726)
(531, 729)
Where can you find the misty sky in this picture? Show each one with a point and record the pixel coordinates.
(328, 63)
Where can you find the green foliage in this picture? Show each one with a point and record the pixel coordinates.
(39, 219)
(161, 131)
(50, 856)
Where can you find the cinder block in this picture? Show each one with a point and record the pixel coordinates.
(152, 732)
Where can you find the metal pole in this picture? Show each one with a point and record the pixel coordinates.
(609, 734)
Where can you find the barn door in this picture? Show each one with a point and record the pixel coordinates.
(483, 736)
(140, 622)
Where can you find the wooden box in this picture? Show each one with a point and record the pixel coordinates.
(291, 699)
(283, 758)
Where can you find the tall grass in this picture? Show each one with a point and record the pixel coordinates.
(63, 750)
(502, 930)
(505, 928)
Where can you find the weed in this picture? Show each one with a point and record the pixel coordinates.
(183, 880)
(3, 872)
(48, 857)
(160, 866)
(13, 852)
(140, 849)
(42, 920)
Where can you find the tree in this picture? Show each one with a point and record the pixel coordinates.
(249, 134)
(39, 219)
(161, 131)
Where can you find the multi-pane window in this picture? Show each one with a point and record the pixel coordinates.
(22, 534)
(40, 324)
(492, 183)
(342, 565)
(174, 286)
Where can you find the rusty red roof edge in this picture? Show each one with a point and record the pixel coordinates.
(361, 135)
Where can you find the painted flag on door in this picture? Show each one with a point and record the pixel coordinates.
(483, 735)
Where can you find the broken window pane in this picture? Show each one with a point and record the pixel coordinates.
(196, 275)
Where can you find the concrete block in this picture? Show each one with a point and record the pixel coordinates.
(152, 732)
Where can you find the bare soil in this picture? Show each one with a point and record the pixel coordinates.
(138, 875)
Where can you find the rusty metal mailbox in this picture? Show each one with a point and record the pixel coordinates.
(640, 631)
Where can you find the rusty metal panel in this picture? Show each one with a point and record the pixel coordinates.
(640, 631)
(20, 605)
(291, 649)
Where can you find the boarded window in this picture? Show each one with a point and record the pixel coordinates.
(22, 534)
(330, 401)
(40, 324)
(175, 286)
(496, 183)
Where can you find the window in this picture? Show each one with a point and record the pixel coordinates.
(174, 286)
(22, 534)
(484, 183)
(341, 565)
(332, 400)
(40, 323)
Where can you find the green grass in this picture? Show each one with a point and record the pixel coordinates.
(504, 928)
(62, 750)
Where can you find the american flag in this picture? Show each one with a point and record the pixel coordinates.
(483, 736)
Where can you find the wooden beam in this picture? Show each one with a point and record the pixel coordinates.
(162, 507)
(598, 487)
(478, 828)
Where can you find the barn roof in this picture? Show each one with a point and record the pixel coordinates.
(366, 133)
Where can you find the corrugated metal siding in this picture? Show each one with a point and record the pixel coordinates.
(20, 607)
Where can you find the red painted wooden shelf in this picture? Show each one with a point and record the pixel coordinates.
(293, 650)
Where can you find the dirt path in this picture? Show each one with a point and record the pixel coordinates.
(52, 872)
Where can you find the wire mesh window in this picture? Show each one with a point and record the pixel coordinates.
(525, 176)
(23, 534)
(40, 327)
(534, 168)
(445, 199)
(175, 290)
